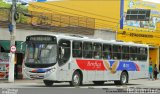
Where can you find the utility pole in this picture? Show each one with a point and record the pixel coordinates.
(12, 43)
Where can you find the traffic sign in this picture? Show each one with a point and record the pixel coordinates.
(13, 49)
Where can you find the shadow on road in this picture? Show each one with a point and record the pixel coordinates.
(85, 85)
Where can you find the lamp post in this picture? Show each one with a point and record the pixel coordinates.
(12, 42)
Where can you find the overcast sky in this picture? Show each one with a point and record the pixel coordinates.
(155, 1)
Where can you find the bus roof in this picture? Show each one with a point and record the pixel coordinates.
(88, 39)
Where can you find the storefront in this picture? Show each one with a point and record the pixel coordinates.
(4, 63)
(4, 58)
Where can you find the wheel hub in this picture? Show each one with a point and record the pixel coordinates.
(124, 78)
(76, 79)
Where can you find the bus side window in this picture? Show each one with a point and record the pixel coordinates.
(117, 51)
(107, 51)
(142, 53)
(87, 50)
(97, 48)
(77, 49)
(125, 52)
(64, 51)
(133, 53)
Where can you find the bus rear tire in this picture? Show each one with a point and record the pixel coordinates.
(98, 82)
(48, 83)
(123, 79)
(76, 79)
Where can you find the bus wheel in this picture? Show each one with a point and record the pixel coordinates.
(98, 82)
(76, 79)
(124, 78)
(48, 83)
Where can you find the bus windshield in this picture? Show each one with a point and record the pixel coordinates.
(41, 53)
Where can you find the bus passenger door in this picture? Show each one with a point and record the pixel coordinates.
(64, 56)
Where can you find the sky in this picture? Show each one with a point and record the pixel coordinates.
(154, 1)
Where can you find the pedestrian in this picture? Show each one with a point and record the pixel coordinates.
(155, 71)
(150, 71)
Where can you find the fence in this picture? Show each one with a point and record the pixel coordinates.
(51, 21)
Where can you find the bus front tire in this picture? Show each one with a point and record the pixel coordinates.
(123, 79)
(76, 79)
(48, 83)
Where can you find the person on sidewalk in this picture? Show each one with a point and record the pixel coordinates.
(155, 71)
(150, 71)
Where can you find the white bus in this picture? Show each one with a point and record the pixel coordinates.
(77, 60)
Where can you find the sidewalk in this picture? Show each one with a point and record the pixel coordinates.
(21, 81)
(145, 83)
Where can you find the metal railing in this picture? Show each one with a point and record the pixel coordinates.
(50, 21)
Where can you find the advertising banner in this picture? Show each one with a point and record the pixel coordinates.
(4, 62)
(4, 58)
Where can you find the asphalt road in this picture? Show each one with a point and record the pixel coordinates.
(138, 86)
(139, 83)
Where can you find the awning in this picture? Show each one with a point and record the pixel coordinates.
(20, 45)
(5, 44)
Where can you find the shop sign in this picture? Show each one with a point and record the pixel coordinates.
(4, 58)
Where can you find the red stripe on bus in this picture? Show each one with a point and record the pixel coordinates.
(91, 64)
(137, 67)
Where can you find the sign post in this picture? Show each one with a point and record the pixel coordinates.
(11, 63)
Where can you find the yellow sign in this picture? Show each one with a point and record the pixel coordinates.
(139, 37)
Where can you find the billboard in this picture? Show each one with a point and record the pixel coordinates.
(140, 4)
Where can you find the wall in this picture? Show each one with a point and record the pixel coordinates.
(105, 34)
(106, 12)
(21, 34)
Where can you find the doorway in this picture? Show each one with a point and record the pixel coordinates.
(18, 65)
(154, 56)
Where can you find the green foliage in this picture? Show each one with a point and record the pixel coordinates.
(22, 19)
(4, 5)
(20, 8)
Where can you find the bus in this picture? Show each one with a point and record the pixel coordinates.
(77, 60)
